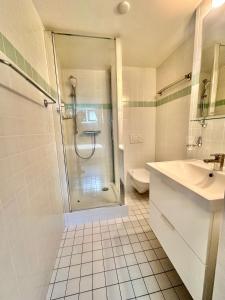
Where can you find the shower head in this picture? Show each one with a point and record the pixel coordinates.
(73, 81)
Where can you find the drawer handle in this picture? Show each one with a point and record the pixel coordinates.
(167, 222)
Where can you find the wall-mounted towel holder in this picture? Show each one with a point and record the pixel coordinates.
(187, 76)
(17, 70)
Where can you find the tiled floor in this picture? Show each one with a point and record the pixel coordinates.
(116, 259)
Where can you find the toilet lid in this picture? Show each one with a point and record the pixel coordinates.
(141, 175)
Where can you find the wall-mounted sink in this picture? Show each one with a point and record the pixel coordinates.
(195, 175)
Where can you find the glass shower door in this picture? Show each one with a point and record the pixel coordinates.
(84, 67)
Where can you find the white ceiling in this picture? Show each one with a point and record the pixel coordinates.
(150, 31)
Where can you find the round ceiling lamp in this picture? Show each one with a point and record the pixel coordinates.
(123, 7)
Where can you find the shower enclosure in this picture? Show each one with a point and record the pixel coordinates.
(86, 75)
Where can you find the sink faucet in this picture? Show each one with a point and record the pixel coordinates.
(218, 161)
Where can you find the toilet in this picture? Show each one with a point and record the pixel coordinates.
(139, 179)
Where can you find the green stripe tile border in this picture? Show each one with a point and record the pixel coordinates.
(17, 58)
(89, 105)
(139, 103)
(220, 102)
(178, 94)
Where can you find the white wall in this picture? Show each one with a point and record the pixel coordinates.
(31, 214)
(139, 88)
(172, 118)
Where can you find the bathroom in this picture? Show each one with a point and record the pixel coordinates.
(112, 148)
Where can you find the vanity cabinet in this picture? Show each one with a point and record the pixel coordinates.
(187, 228)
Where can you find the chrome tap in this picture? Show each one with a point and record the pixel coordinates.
(218, 161)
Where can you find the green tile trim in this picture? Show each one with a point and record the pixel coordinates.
(89, 105)
(179, 94)
(220, 102)
(1, 43)
(139, 103)
(17, 58)
(161, 100)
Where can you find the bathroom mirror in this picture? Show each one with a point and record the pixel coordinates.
(211, 96)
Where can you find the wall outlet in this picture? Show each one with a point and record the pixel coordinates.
(136, 139)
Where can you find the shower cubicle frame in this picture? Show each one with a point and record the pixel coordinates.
(116, 90)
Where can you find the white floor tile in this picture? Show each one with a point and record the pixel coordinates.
(97, 245)
(120, 261)
(77, 249)
(66, 251)
(98, 280)
(86, 269)
(86, 296)
(118, 251)
(140, 257)
(170, 294)
(137, 247)
(126, 290)
(87, 257)
(106, 243)
(151, 284)
(98, 266)
(123, 274)
(107, 253)
(64, 262)
(139, 287)
(85, 283)
(134, 272)
(62, 274)
(87, 247)
(145, 269)
(111, 277)
(74, 271)
(72, 286)
(158, 296)
(150, 254)
(59, 290)
(109, 264)
(113, 292)
(100, 294)
(130, 259)
(163, 281)
(76, 259)
(127, 249)
(97, 254)
(156, 266)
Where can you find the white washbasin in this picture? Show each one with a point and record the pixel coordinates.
(194, 175)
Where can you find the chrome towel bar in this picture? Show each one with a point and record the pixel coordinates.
(17, 70)
(186, 77)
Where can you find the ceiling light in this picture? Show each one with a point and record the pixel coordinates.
(217, 3)
(124, 7)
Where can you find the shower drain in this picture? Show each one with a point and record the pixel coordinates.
(105, 189)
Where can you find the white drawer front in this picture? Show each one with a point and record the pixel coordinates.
(184, 211)
(187, 264)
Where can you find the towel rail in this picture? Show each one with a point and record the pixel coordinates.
(186, 77)
(17, 70)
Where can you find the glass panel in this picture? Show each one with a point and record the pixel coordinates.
(85, 66)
